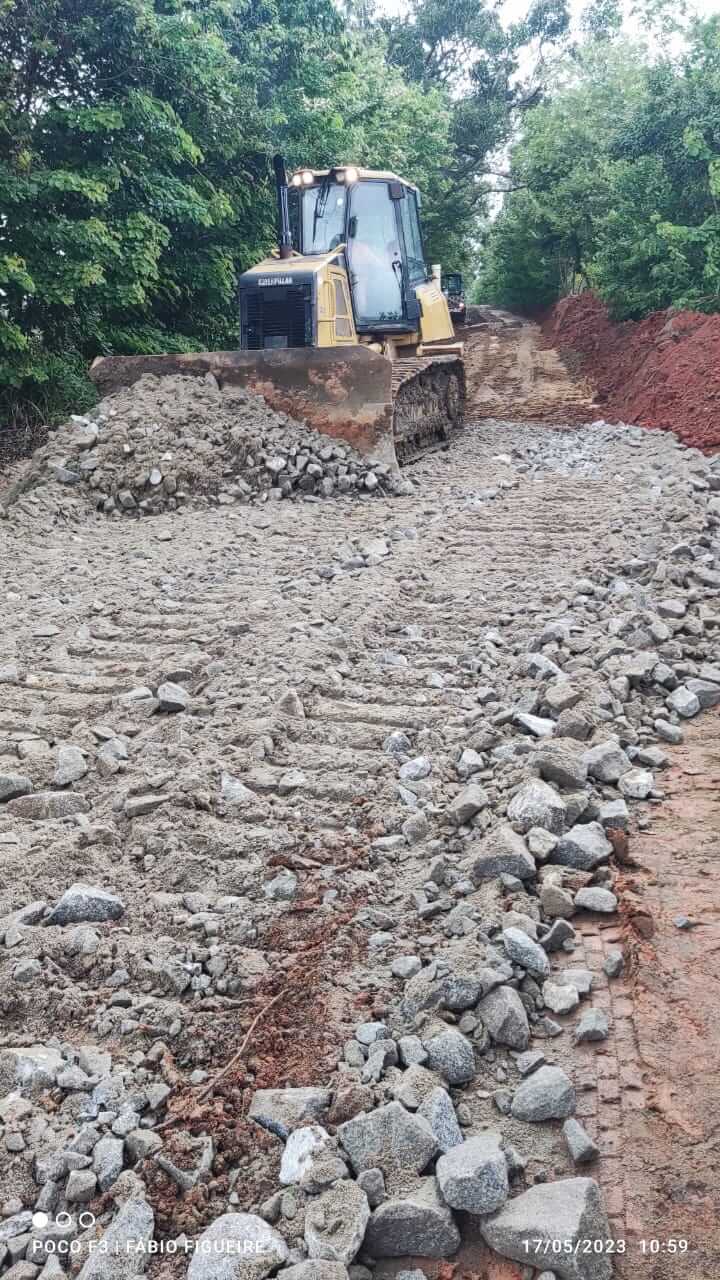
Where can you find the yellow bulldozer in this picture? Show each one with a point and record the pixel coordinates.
(344, 327)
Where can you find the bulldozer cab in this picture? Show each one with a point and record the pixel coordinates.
(375, 217)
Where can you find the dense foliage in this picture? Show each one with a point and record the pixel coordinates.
(135, 138)
(616, 184)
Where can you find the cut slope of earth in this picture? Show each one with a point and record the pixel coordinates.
(663, 371)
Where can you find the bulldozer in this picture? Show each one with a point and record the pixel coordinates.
(343, 326)
(454, 290)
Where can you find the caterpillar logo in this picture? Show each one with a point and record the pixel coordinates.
(264, 281)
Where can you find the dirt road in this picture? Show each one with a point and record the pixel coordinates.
(282, 828)
(514, 376)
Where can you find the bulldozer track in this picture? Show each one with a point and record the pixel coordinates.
(428, 403)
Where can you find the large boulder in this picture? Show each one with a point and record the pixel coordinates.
(503, 1014)
(606, 762)
(550, 1223)
(450, 1054)
(124, 1252)
(282, 1110)
(390, 1138)
(537, 804)
(83, 902)
(583, 847)
(500, 852)
(561, 762)
(474, 1176)
(437, 1108)
(416, 1222)
(335, 1222)
(237, 1246)
(547, 1094)
(523, 951)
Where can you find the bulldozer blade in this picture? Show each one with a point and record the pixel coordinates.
(341, 392)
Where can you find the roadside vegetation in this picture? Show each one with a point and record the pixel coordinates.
(136, 136)
(615, 182)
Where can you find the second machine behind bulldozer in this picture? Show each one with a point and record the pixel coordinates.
(344, 327)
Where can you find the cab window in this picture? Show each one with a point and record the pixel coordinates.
(413, 242)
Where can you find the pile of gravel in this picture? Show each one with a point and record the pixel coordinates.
(167, 441)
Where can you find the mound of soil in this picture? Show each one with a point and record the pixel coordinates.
(663, 371)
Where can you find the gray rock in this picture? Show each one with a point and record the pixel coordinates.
(415, 770)
(614, 963)
(541, 843)
(547, 1094)
(593, 1025)
(412, 1051)
(282, 1110)
(85, 902)
(523, 951)
(368, 1032)
(437, 1109)
(13, 785)
(451, 1055)
(44, 806)
(372, 1182)
(561, 762)
(556, 902)
(33, 1068)
(568, 1210)
(315, 1270)
(560, 997)
(237, 1246)
(557, 935)
(81, 1186)
(682, 700)
(471, 800)
(636, 784)
(335, 1222)
(613, 815)
(302, 1145)
(580, 1144)
(538, 726)
(500, 851)
(584, 847)
(71, 766)
(596, 899)
(474, 1176)
(528, 1062)
(389, 1139)
(413, 1086)
(172, 697)
(124, 1249)
(606, 762)
(580, 979)
(504, 1016)
(138, 806)
(406, 967)
(107, 1160)
(537, 804)
(140, 1143)
(418, 1222)
(668, 732)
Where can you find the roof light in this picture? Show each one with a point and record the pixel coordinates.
(351, 174)
(307, 178)
(296, 180)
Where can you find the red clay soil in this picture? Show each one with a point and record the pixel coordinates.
(663, 371)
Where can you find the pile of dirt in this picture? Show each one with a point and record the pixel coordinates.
(169, 440)
(663, 371)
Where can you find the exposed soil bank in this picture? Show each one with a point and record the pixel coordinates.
(663, 371)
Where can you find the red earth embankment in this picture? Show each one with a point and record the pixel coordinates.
(663, 371)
